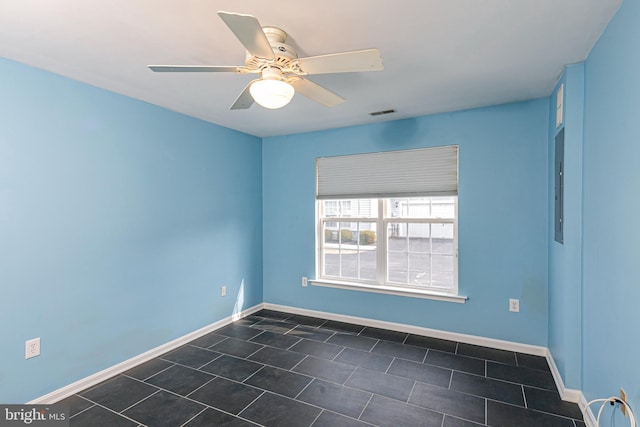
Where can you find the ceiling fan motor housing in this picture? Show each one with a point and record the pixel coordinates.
(283, 53)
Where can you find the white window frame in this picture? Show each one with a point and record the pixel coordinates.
(422, 172)
(381, 284)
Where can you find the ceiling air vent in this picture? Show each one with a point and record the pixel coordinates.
(380, 113)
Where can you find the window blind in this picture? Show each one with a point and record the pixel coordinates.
(410, 173)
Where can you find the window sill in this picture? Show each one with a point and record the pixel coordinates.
(392, 290)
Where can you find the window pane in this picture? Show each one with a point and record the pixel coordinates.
(397, 265)
(330, 262)
(443, 207)
(421, 254)
(397, 240)
(350, 253)
(330, 208)
(364, 208)
(421, 207)
(442, 266)
(419, 269)
(359, 208)
(442, 239)
(408, 247)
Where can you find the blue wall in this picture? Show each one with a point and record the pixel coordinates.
(611, 284)
(565, 260)
(503, 220)
(119, 222)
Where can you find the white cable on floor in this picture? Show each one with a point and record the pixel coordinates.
(612, 400)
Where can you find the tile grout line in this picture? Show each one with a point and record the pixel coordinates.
(304, 388)
(374, 346)
(486, 411)
(393, 359)
(198, 388)
(294, 344)
(198, 368)
(194, 417)
(306, 356)
(566, 417)
(349, 377)
(365, 406)
(424, 359)
(317, 416)
(85, 409)
(322, 324)
(250, 403)
(413, 387)
(207, 364)
(142, 400)
(120, 413)
(333, 334)
(249, 355)
(252, 375)
(336, 356)
(159, 372)
(450, 380)
(502, 380)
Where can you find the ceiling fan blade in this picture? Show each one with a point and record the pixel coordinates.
(196, 69)
(315, 92)
(344, 62)
(244, 100)
(248, 30)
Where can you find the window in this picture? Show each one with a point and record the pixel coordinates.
(388, 222)
(405, 242)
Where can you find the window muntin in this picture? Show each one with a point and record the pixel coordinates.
(402, 242)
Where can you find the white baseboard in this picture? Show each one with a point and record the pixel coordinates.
(590, 418)
(107, 373)
(567, 394)
(418, 330)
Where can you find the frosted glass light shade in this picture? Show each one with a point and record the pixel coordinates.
(272, 94)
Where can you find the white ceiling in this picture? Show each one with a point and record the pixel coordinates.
(439, 55)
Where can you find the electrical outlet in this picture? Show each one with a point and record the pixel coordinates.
(305, 281)
(223, 291)
(623, 397)
(32, 348)
(514, 305)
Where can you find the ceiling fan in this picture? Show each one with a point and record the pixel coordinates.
(282, 72)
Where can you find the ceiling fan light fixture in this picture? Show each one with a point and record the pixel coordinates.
(271, 94)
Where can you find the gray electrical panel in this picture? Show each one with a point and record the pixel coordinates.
(559, 188)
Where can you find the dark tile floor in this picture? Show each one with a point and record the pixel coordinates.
(278, 369)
